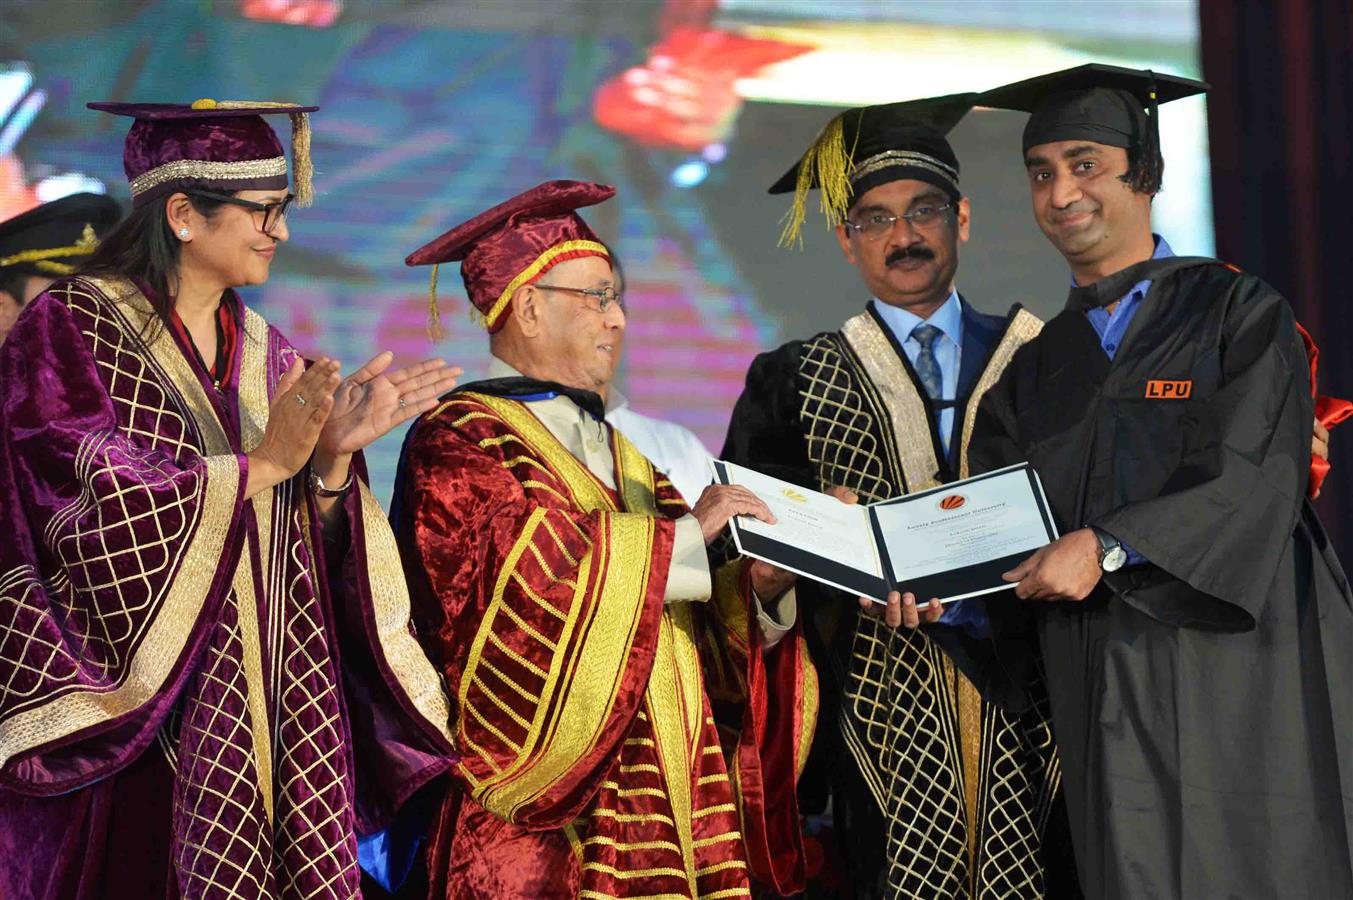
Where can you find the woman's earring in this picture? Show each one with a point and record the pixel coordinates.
(183, 232)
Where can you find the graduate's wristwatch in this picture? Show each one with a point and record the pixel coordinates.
(1112, 556)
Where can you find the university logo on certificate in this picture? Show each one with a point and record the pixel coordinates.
(950, 542)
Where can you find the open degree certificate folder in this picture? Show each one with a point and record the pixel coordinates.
(950, 542)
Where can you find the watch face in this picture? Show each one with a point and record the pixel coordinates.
(1114, 559)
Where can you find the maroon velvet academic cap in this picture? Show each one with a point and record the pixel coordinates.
(515, 243)
(221, 145)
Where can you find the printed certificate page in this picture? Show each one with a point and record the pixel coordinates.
(815, 535)
(955, 541)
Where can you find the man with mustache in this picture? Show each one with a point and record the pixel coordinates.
(942, 778)
(1193, 619)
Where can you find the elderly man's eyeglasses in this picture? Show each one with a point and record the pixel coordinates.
(604, 296)
(273, 213)
(876, 225)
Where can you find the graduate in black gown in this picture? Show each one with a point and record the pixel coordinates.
(1194, 623)
(943, 781)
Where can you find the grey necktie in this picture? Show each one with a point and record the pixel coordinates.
(927, 367)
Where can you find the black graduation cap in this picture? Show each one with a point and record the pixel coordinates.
(1094, 102)
(51, 240)
(864, 147)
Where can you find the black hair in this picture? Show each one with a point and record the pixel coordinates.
(14, 283)
(1144, 172)
(143, 247)
(1146, 167)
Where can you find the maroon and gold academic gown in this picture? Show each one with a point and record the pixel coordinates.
(592, 761)
(200, 694)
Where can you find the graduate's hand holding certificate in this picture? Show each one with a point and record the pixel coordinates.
(1066, 569)
(952, 542)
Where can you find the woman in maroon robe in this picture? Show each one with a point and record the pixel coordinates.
(208, 682)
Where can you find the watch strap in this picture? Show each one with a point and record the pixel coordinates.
(319, 489)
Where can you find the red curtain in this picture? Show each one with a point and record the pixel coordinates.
(1280, 125)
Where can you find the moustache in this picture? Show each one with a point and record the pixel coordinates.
(915, 251)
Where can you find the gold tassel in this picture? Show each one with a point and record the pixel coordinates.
(828, 160)
(303, 173)
(435, 330)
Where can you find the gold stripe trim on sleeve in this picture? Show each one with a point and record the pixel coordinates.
(630, 847)
(391, 614)
(625, 874)
(721, 867)
(251, 663)
(711, 810)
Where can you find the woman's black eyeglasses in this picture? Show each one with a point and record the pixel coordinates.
(273, 213)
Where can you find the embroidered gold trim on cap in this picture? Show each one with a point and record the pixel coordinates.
(890, 158)
(535, 269)
(200, 170)
(87, 244)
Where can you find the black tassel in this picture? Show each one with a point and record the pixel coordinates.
(1152, 163)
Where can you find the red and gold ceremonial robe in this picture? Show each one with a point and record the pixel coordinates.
(612, 745)
(175, 719)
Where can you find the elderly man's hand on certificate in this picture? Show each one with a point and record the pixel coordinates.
(721, 502)
(900, 609)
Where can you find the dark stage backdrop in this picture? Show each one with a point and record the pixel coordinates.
(1281, 127)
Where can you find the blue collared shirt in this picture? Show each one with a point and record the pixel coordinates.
(967, 614)
(948, 348)
(1112, 326)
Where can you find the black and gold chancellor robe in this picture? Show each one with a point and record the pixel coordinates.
(937, 792)
(1203, 701)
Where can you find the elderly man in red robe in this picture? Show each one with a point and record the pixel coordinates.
(628, 726)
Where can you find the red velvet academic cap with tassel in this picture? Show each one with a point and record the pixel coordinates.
(515, 243)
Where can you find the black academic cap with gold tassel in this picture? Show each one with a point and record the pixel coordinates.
(864, 147)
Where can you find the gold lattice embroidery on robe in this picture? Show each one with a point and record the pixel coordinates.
(960, 783)
(157, 553)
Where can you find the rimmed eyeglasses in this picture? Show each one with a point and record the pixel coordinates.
(877, 225)
(273, 213)
(604, 296)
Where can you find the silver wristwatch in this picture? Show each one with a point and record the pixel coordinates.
(319, 490)
(1112, 556)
